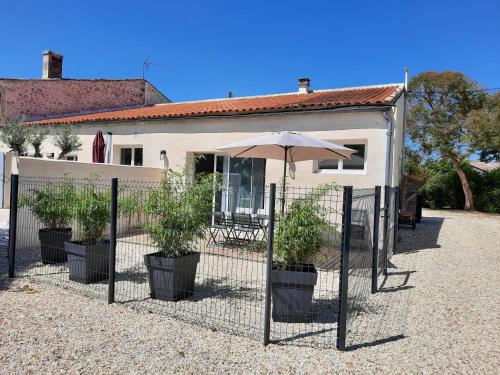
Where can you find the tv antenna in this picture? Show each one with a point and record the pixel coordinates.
(145, 66)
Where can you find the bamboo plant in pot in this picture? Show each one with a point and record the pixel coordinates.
(299, 238)
(52, 205)
(177, 214)
(88, 258)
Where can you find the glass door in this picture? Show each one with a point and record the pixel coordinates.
(244, 181)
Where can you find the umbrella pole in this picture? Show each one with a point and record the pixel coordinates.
(283, 188)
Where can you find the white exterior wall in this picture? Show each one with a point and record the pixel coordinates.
(182, 137)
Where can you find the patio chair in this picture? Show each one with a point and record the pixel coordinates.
(261, 220)
(219, 226)
(246, 225)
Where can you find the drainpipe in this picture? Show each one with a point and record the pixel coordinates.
(388, 157)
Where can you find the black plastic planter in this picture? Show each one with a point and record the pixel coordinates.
(292, 293)
(52, 244)
(87, 263)
(171, 279)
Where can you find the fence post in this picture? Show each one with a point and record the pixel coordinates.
(14, 188)
(270, 238)
(387, 198)
(344, 268)
(418, 213)
(376, 228)
(396, 219)
(112, 240)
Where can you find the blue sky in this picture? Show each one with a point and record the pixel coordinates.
(206, 48)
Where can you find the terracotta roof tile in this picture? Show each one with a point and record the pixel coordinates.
(325, 99)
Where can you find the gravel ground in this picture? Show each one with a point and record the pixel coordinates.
(228, 296)
(438, 312)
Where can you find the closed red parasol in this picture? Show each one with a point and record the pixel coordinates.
(98, 148)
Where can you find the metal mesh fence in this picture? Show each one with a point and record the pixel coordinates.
(62, 232)
(305, 275)
(360, 259)
(391, 227)
(219, 280)
(198, 251)
(198, 255)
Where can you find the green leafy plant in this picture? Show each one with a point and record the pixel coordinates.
(66, 141)
(52, 204)
(179, 212)
(36, 136)
(92, 211)
(130, 203)
(300, 229)
(443, 189)
(15, 135)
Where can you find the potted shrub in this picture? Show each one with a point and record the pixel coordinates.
(177, 214)
(88, 258)
(52, 205)
(299, 238)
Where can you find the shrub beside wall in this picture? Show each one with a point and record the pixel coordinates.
(444, 190)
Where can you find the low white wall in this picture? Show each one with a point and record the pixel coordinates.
(27, 236)
(58, 168)
(37, 167)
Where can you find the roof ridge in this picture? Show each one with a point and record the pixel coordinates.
(401, 85)
(375, 95)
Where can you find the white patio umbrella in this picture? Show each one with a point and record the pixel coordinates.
(108, 148)
(289, 147)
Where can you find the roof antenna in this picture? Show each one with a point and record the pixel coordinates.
(145, 66)
(406, 78)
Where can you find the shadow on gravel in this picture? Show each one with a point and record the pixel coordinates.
(303, 335)
(375, 343)
(424, 237)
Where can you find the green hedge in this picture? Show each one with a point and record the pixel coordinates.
(444, 190)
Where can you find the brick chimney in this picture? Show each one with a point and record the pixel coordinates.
(304, 85)
(52, 65)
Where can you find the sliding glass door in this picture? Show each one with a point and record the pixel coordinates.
(244, 184)
(244, 181)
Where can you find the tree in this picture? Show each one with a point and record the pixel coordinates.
(36, 137)
(15, 136)
(66, 141)
(484, 128)
(414, 164)
(439, 108)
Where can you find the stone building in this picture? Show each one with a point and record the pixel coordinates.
(33, 99)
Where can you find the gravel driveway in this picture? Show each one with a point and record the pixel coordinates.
(438, 312)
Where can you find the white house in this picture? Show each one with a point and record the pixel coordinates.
(368, 119)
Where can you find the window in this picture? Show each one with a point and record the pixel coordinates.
(357, 161)
(131, 156)
(72, 157)
(357, 164)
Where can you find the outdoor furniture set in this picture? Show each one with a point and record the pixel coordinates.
(237, 228)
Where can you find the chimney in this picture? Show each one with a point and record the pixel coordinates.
(52, 65)
(304, 86)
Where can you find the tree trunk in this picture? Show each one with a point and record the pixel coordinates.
(469, 199)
